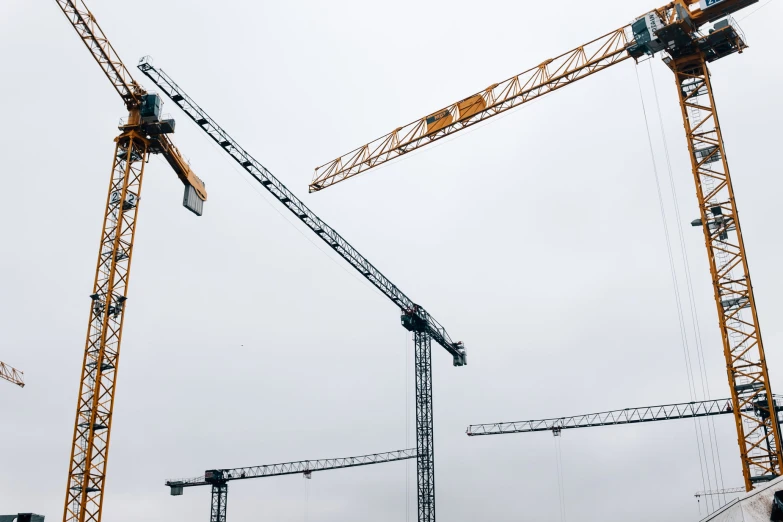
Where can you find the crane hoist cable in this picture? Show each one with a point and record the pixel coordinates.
(698, 430)
(689, 34)
(700, 360)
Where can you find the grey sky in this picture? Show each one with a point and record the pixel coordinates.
(536, 239)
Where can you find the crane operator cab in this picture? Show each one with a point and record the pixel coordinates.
(153, 123)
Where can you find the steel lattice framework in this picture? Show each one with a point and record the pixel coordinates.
(425, 462)
(219, 478)
(90, 449)
(683, 410)
(99, 46)
(498, 98)
(11, 374)
(219, 504)
(726, 491)
(299, 209)
(759, 435)
(139, 137)
(415, 318)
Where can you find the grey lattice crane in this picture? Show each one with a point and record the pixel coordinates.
(683, 410)
(218, 479)
(414, 318)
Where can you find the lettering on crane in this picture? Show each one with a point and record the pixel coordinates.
(704, 4)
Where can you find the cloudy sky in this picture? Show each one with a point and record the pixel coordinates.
(536, 239)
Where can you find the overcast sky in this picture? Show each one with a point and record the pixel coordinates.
(535, 239)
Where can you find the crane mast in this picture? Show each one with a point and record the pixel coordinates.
(760, 442)
(415, 318)
(218, 479)
(142, 133)
(11, 374)
(680, 32)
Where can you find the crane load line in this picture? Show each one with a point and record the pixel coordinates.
(683, 410)
(295, 468)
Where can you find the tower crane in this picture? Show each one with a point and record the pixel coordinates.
(144, 132)
(414, 318)
(218, 479)
(683, 410)
(688, 34)
(11, 374)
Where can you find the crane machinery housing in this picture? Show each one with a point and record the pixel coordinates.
(414, 317)
(144, 132)
(218, 479)
(689, 34)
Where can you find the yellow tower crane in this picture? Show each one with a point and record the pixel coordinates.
(143, 133)
(689, 34)
(11, 374)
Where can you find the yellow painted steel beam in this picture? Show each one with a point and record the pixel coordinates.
(101, 49)
(759, 435)
(94, 414)
(550, 75)
(95, 405)
(11, 374)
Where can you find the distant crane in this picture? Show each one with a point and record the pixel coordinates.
(11, 374)
(219, 478)
(681, 31)
(414, 317)
(727, 491)
(143, 133)
(683, 410)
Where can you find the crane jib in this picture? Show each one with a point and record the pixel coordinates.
(301, 211)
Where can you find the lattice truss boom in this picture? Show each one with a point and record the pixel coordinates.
(684, 410)
(101, 49)
(293, 468)
(498, 98)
